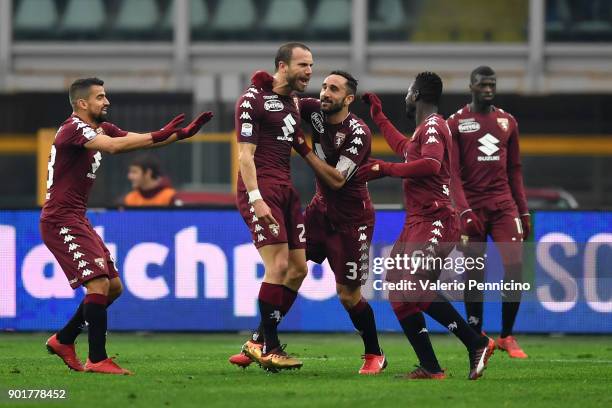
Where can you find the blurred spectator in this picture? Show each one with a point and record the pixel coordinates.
(150, 187)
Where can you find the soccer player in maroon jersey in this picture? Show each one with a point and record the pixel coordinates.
(431, 226)
(489, 194)
(75, 157)
(340, 217)
(267, 119)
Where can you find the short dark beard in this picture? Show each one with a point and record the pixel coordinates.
(101, 117)
(334, 108)
(293, 83)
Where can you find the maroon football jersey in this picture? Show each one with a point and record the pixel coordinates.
(430, 140)
(487, 159)
(351, 142)
(269, 120)
(72, 168)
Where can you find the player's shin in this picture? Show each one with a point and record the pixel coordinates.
(473, 299)
(69, 333)
(511, 299)
(270, 306)
(445, 314)
(415, 330)
(362, 316)
(94, 312)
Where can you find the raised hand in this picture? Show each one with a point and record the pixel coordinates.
(373, 100)
(262, 79)
(193, 128)
(168, 129)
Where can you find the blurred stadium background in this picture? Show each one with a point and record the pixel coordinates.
(159, 57)
(163, 57)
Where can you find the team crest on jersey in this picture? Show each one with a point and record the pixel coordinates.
(317, 122)
(273, 105)
(339, 139)
(503, 124)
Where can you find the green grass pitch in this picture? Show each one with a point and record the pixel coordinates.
(176, 370)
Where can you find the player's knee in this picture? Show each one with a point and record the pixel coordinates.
(349, 297)
(115, 289)
(281, 266)
(99, 286)
(297, 272)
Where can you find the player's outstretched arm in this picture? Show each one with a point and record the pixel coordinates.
(170, 133)
(248, 171)
(376, 169)
(395, 139)
(333, 177)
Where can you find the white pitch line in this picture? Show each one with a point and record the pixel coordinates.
(586, 360)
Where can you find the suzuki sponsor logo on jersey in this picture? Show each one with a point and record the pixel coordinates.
(317, 122)
(273, 105)
(488, 145)
(469, 127)
(270, 97)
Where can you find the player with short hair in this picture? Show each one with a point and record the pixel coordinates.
(340, 217)
(267, 118)
(489, 194)
(149, 186)
(430, 229)
(74, 159)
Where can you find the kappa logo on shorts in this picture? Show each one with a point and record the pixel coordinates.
(73, 246)
(86, 272)
(82, 263)
(258, 228)
(77, 255)
(437, 223)
(363, 237)
(68, 238)
(436, 231)
(274, 229)
(64, 230)
(260, 237)
(75, 280)
(99, 262)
